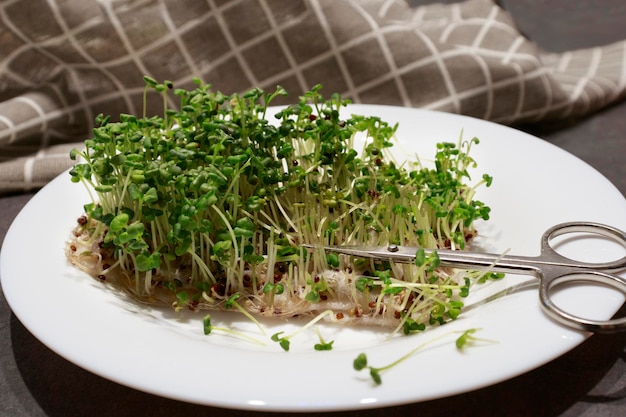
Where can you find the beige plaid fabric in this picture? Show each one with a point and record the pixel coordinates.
(65, 61)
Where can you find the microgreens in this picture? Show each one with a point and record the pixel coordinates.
(284, 341)
(232, 302)
(361, 362)
(209, 328)
(323, 344)
(467, 338)
(210, 202)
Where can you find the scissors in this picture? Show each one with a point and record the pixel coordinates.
(551, 268)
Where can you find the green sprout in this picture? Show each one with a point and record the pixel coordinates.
(467, 338)
(360, 362)
(232, 302)
(209, 328)
(284, 341)
(323, 344)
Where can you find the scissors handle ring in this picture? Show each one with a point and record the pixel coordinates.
(586, 278)
(611, 232)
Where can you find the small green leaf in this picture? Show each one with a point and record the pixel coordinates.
(232, 301)
(182, 296)
(146, 262)
(222, 248)
(313, 297)
(119, 222)
(240, 232)
(135, 229)
(364, 283)
(333, 260)
(134, 192)
(206, 324)
(151, 82)
(465, 338)
(246, 223)
(420, 257)
(103, 188)
(376, 376)
(150, 196)
(282, 341)
(360, 362)
(324, 346)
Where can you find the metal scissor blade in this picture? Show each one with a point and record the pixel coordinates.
(447, 257)
(389, 252)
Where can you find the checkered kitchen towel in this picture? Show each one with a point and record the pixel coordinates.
(65, 61)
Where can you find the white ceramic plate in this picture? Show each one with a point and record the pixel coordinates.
(535, 186)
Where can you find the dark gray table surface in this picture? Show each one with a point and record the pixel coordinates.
(588, 381)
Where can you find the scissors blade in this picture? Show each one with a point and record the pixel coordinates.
(392, 252)
(451, 258)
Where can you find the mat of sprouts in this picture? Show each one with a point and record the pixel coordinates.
(165, 351)
(209, 207)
